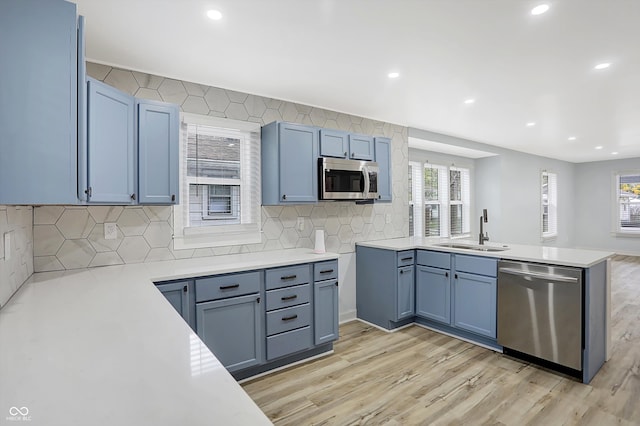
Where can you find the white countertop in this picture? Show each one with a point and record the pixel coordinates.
(102, 346)
(543, 254)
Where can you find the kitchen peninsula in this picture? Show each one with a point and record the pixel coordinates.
(462, 289)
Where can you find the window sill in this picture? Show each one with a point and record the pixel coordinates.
(626, 234)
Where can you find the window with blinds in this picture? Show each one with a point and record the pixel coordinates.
(220, 173)
(549, 205)
(627, 190)
(439, 200)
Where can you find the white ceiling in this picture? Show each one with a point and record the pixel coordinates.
(336, 54)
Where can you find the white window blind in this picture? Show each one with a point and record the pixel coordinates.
(627, 190)
(439, 200)
(459, 201)
(549, 201)
(435, 200)
(416, 212)
(220, 177)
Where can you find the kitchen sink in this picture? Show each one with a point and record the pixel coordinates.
(475, 247)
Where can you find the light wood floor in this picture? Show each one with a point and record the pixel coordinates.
(419, 377)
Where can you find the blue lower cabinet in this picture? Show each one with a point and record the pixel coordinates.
(180, 296)
(433, 294)
(325, 296)
(405, 304)
(475, 303)
(233, 330)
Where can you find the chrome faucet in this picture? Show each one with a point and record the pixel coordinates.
(483, 236)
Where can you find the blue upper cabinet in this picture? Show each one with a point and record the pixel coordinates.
(334, 143)
(383, 158)
(129, 153)
(110, 145)
(158, 152)
(289, 164)
(361, 147)
(38, 102)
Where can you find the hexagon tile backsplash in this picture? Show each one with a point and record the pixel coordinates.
(71, 237)
(16, 265)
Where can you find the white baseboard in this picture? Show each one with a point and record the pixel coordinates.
(348, 316)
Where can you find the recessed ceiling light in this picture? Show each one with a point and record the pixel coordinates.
(602, 66)
(216, 15)
(540, 9)
(571, 138)
(469, 101)
(531, 124)
(232, 144)
(394, 74)
(599, 147)
(614, 153)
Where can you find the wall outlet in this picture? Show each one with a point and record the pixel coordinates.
(7, 245)
(387, 218)
(110, 231)
(300, 224)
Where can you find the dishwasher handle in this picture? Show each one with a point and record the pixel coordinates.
(538, 275)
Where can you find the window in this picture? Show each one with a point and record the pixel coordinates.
(439, 200)
(220, 175)
(549, 205)
(627, 190)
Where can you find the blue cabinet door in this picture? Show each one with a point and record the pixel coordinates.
(158, 152)
(110, 145)
(180, 296)
(325, 311)
(475, 303)
(38, 102)
(233, 330)
(298, 153)
(334, 143)
(383, 158)
(433, 294)
(361, 147)
(405, 305)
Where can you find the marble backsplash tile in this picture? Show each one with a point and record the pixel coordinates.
(16, 265)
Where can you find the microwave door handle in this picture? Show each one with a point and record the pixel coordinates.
(365, 172)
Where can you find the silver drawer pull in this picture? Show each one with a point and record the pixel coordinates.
(326, 271)
(288, 277)
(292, 317)
(286, 298)
(229, 287)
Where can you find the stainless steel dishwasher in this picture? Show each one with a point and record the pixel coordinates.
(540, 312)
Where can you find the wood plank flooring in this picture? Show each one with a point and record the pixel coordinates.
(418, 377)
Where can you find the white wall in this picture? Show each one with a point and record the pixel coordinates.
(509, 187)
(593, 206)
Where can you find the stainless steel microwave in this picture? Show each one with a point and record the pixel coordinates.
(341, 179)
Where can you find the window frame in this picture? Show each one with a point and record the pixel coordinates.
(418, 202)
(551, 203)
(222, 233)
(617, 229)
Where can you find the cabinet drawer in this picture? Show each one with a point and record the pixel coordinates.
(476, 265)
(288, 343)
(406, 258)
(288, 319)
(287, 276)
(288, 296)
(434, 259)
(325, 270)
(223, 286)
